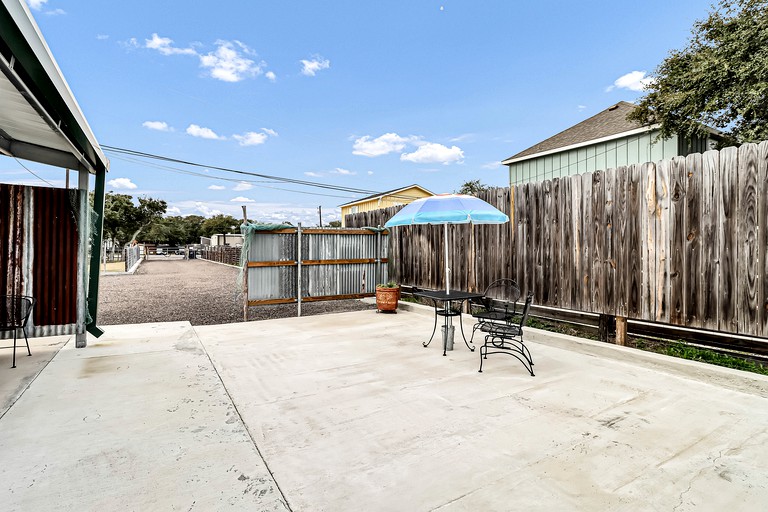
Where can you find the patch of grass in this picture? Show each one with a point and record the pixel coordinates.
(686, 351)
(672, 348)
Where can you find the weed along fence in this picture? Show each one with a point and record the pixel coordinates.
(681, 242)
(295, 265)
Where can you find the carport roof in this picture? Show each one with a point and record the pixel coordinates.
(40, 119)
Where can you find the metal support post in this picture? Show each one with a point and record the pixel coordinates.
(298, 270)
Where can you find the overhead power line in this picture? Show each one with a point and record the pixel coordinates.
(270, 178)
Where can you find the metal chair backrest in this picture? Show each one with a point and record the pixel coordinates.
(503, 291)
(15, 311)
(526, 310)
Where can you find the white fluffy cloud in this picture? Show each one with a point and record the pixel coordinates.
(255, 138)
(241, 199)
(204, 133)
(217, 187)
(251, 138)
(270, 76)
(311, 67)
(165, 46)
(313, 174)
(36, 4)
(385, 144)
(122, 184)
(432, 152)
(173, 210)
(229, 64)
(206, 210)
(242, 186)
(426, 152)
(343, 172)
(160, 126)
(633, 81)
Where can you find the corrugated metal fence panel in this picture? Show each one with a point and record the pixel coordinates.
(272, 283)
(54, 278)
(12, 241)
(329, 266)
(38, 250)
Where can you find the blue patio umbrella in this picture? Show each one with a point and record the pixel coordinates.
(447, 209)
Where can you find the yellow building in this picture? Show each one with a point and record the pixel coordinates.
(395, 197)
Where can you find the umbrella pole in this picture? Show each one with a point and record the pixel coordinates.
(447, 270)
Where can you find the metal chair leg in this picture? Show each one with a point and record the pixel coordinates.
(29, 352)
(14, 349)
(434, 328)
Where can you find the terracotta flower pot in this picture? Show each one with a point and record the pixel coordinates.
(386, 298)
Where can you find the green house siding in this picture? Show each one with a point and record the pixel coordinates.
(633, 149)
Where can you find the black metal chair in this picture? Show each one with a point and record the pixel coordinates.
(498, 305)
(14, 315)
(507, 338)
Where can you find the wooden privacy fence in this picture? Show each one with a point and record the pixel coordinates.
(303, 265)
(681, 241)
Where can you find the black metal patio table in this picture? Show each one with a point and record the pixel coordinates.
(448, 305)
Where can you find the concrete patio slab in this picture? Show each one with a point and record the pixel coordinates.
(349, 412)
(14, 381)
(139, 420)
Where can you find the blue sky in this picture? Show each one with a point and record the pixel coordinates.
(367, 95)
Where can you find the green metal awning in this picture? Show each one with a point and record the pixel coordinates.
(41, 121)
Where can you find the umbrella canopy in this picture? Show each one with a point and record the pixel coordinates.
(447, 209)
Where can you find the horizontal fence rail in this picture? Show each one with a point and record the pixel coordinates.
(303, 265)
(682, 242)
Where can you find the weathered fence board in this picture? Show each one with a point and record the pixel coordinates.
(727, 238)
(665, 178)
(692, 270)
(676, 241)
(682, 241)
(597, 282)
(762, 239)
(609, 256)
(710, 243)
(648, 230)
(621, 241)
(747, 269)
(635, 244)
(556, 234)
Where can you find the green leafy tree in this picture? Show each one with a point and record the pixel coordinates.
(123, 219)
(193, 226)
(472, 188)
(334, 224)
(720, 79)
(220, 224)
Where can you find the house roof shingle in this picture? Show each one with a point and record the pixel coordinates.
(610, 121)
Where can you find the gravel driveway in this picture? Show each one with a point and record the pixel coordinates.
(204, 293)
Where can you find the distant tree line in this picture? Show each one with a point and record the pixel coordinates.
(144, 220)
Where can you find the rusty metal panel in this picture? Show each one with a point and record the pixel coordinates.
(335, 264)
(38, 252)
(12, 242)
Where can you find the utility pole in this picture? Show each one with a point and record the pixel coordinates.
(320, 213)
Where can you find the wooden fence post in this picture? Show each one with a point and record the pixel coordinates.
(621, 330)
